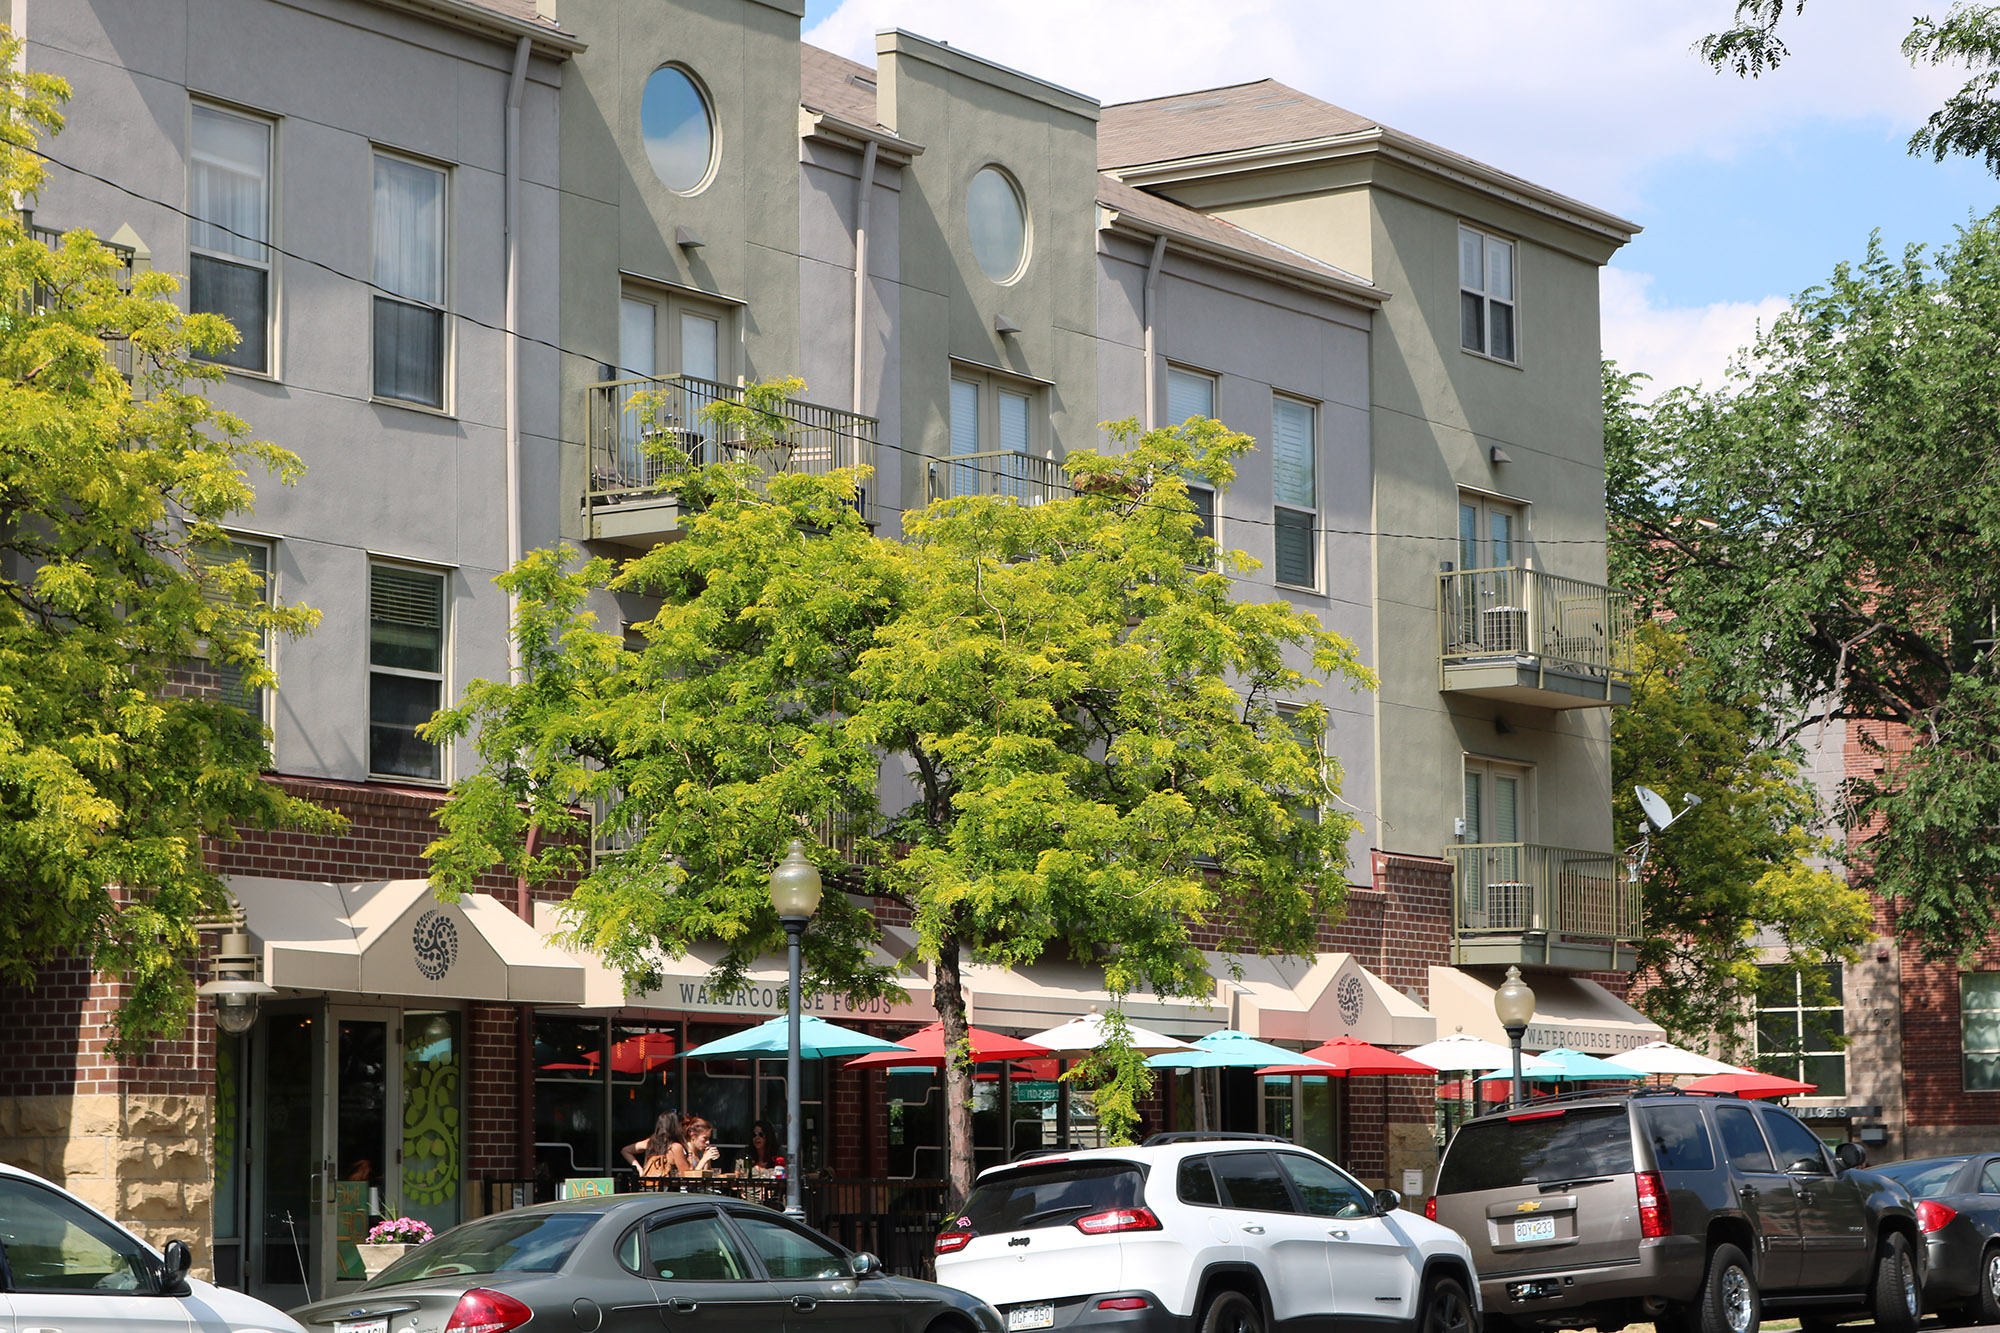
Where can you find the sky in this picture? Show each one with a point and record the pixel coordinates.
(1748, 190)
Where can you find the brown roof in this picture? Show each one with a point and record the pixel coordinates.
(1175, 219)
(1217, 120)
(836, 85)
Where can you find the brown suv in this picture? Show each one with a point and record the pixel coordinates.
(1690, 1211)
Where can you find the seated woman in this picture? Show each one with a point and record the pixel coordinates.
(695, 1154)
(654, 1155)
(763, 1146)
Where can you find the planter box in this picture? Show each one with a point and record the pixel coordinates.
(375, 1258)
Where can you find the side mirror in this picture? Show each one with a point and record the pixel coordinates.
(1387, 1201)
(1807, 1166)
(177, 1258)
(865, 1264)
(1851, 1156)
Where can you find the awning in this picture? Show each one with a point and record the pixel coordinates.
(1570, 1012)
(1318, 999)
(1042, 995)
(684, 985)
(390, 937)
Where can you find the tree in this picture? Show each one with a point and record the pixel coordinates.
(1967, 124)
(1035, 727)
(1825, 525)
(111, 494)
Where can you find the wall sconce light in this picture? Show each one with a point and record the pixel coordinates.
(236, 988)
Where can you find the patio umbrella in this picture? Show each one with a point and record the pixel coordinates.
(1461, 1050)
(1354, 1056)
(1227, 1049)
(1662, 1057)
(1080, 1037)
(1750, 1083)
(639, 1054)
(926, 1047)
(818, 1039)
(1576, 1067)
(1532, 1067)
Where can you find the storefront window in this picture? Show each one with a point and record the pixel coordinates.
(1278, 1105)
(228, 1159)
(645, 1081)
(569, 1097)
(432, 1158)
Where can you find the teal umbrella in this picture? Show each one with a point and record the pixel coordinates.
(818, 1039)
(1229, 1049)
(1564, 1066)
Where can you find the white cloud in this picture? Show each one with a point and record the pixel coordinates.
(1583, 96)
(1676, 345)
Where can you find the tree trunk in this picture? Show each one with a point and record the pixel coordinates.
(948, 991)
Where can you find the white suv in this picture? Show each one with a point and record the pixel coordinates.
(1212, 1232)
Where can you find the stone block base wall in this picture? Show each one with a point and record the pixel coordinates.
(142, 1158)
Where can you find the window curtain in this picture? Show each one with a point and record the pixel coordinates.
(228, 173)
(701, 347)
(964, 435)
(409, 230)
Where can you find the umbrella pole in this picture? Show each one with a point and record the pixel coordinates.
(1062, 1105)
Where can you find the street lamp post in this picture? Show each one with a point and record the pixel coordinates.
(795, 893)
(1514, 1006)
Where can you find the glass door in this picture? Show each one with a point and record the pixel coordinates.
(364, 1080)
(284, 1129)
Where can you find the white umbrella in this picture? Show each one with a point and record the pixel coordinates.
(1462, 1050)
(1660, 1057)
(1080, 1038)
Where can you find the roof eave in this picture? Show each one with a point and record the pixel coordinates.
(552, 43)
(1327, 284)
(829, 128)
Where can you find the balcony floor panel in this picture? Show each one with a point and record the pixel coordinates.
(1522, 681)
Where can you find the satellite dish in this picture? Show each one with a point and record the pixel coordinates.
(1655, 808)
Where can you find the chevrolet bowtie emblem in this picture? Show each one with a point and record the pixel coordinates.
(1528, 1207)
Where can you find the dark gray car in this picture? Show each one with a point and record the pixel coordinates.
(1958, 1209)
(1690, 1211)
(638, 1264)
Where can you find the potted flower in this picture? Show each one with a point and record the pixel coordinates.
(390, 1240)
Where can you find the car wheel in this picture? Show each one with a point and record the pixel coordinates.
(1898, 1302)
(1988, 1304)
(1232, 1312)
(1447, 1309)
(1729, 1302)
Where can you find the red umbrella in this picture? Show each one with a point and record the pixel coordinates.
(1750, 1083)
(1351, 1055)
(639, 1054)
(927, 1048)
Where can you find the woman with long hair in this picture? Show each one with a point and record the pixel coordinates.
(654, 1154)
(763, 1146)
(693, 1154)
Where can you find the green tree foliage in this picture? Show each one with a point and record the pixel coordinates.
(110, 489)
(1039, 728)
(1825, 525)
(1968, 124)
(1734, 873)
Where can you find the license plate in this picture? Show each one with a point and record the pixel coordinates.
(1535, 1228)
(1031, 1316)
(365, 1326)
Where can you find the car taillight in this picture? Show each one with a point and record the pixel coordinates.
(1932, 1215)
(1655, 1218)
(1431, 1208)
(949, 1242)
(483, 1311)
(1122, 1303)
(1118, 1219)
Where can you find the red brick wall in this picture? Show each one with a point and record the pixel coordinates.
(55, 1033)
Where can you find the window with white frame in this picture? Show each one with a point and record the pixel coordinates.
(1979, 1029)
(1802, 1025)
(411, 336)
(1192, 394)
(662, 335)
(229, 256)
(1496, 891)
(1486, 294)
(1295, 492)
(1489, 533)
(994, 427)
(406, 669)
(232, 677)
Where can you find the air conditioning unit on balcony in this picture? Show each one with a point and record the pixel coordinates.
(1510, 905)
(1504, 629)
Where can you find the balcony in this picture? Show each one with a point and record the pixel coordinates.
(1528, 637)
(119, 349)
(1028, 478)
(630, 499)
(1520, 902)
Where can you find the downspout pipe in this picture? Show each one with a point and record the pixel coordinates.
(864, 196)
(1149, 313)
(516, 87)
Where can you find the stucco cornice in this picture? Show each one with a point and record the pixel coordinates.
(1144, 229)
(829, 128)
(551, 43)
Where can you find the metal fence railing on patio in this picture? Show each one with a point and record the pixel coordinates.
(1518, 888)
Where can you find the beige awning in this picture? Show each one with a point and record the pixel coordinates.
(1319, 999)
(1042, 995)
(1570, 1012)
(391, 937)
(684, 985)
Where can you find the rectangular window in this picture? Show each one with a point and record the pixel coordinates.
(406, 659)
(1979, 1038)
(1801, 1026)
(995, 419)
(1192, 395)
(232, 676)
(1314, 739)
(229, 260)
(410, 342)
(1486, 294)
(1494, 886)
(1295, 489)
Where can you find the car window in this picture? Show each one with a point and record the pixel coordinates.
(1798, 1148)
(1989, 1179)
(1251, 1180)
(55, 1244)
(1680, 1137)
(789, 1252)
(694, 1249)
(1197, 1183)
(1325, 1191)
(1741, 1140)
(1052, 1194)
(1928, 1177)
(508, 1243)
(1537, 1147)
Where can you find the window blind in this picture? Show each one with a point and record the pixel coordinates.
(1292, 480)
(1189, 396)
(406, 619)
(964, 435)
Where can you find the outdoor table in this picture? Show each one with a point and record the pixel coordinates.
(767, 1190)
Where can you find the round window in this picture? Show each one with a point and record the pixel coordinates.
(998, 222)
(679, 129)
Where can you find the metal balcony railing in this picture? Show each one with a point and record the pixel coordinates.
(118, 348)
(1552, 622)
(1524, 888)
(632, 458)
(609, 837)
(1028, 478)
